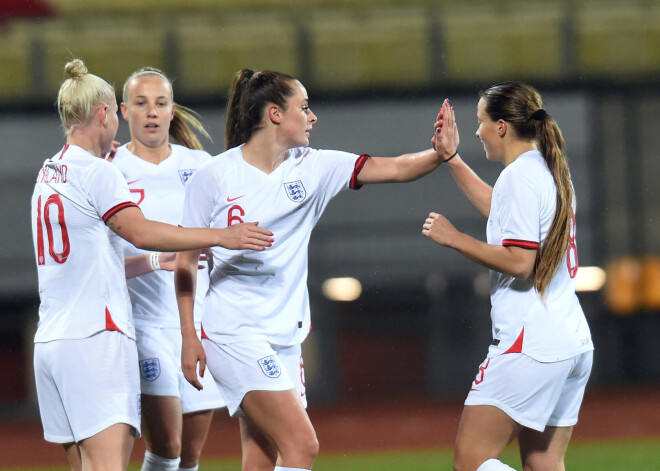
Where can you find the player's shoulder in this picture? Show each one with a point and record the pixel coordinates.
(528, 166)
(123, 156)
(198, 156)
(227, 159)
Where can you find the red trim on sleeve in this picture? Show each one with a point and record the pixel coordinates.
(204, 336)
(109, 323)
(523, 244)
(114, 210)
(518, 344)
(359, 163)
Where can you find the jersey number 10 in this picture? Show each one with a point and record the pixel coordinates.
(59, 257)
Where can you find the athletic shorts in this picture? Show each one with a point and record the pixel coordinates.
(86, 385)
(239, 368)
(159, 353)
(532, 393)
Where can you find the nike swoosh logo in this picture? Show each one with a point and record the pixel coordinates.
(229, 200)
(133, 181)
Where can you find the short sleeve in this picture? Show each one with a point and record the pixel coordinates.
(340, 169)
(199, 202)
(519, 209)
(107, 190)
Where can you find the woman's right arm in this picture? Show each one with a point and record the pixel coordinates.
(185, 280)
(130, 224)
(445, 142)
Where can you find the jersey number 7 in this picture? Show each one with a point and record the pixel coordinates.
(60, 257)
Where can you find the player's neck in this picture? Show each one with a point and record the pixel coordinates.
(516, 149)
(155, 155)
(263, 153)
(82, 138)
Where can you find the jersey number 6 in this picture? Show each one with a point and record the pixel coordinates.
(59, 257)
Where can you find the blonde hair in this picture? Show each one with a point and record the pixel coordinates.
(80, 94)
(522, 106)
(185, 119)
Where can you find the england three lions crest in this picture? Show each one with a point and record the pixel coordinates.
(186, 173)
(295, 191)
(150, 368)
(270, 366)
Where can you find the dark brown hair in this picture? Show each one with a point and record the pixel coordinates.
(249, 94)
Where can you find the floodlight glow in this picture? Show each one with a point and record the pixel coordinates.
(342, 289)
(589, 279)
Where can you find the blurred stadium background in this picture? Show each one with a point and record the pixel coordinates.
(416, 324)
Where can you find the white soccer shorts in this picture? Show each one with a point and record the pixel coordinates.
(532, 393)
(86, 385)
(239, 368)
(159, 353)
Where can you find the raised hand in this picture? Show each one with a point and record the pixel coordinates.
(445, 139)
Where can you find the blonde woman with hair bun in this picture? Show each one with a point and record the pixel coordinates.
(163, 153)
(85, 355)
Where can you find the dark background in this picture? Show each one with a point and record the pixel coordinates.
(376, 73)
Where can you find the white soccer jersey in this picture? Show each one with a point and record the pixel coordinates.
(80, 262)
(522, 209)
(263, 294)
(159, 190)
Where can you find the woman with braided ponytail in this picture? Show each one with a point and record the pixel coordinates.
(532, 382)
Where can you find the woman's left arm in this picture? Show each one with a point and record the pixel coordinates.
(404, 168)
(514, 261)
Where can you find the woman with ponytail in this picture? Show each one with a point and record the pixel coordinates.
(164, 151)
(532, 382)
(85, 358)
(256, 314)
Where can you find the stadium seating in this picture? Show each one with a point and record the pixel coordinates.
(335, 45)
(618, 40)
(212, 50)
(374, 48)
(110, 49)
(495, 41)
(16, 74)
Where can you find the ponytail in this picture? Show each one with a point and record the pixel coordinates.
(234, 126)
(182, 125)
(553, 249)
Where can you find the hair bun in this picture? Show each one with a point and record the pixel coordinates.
(75, 69)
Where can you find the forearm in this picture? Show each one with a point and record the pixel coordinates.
(160, 237)
(185, 281)
(404, 168)
(137, 265)
(478, 192)
(509, 260)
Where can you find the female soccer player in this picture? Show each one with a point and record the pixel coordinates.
(85, 356)
(256, 314)
(175, 416)
(532, 382)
